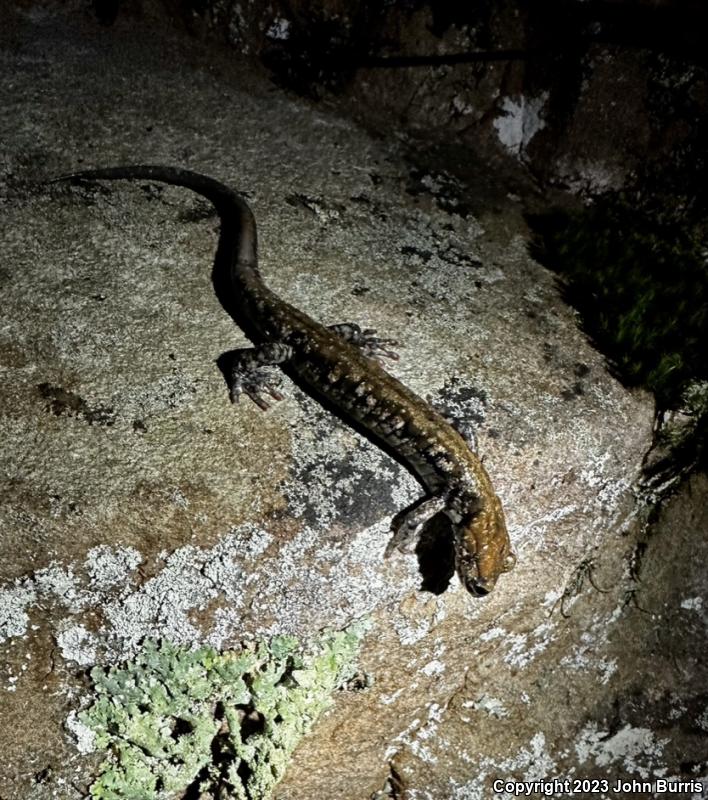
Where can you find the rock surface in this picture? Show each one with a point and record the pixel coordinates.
(136, 502)
(592, 96)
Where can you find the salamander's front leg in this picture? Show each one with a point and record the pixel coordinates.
(370, 345)
(248, 375)
(407, 526)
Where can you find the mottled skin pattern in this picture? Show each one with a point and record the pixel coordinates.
(342, 363)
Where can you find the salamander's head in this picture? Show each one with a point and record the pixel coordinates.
(482, 549)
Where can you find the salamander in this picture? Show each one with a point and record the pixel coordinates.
(344, 365)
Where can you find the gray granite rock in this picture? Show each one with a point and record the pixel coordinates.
(137, 502)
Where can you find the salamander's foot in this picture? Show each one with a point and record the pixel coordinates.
(378, 349)
(370, 344)
(404, 538)
(409, 523)
(249, 375)
(254, 383)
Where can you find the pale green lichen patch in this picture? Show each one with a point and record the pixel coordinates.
(178, 722)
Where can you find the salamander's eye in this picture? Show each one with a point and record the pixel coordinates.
(509, 561)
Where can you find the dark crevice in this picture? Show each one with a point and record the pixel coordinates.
(215, 775)
(181, 727)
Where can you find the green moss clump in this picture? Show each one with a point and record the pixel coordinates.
(224, 725)
(640, 284)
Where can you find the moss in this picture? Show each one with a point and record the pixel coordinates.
(198, 722)
(637, 271)
(640, 283)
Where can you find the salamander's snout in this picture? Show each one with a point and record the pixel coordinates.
(479, 586)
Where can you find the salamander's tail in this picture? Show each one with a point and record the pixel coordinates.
(231, 206)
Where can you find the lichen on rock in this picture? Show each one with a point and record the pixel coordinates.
(175, 720)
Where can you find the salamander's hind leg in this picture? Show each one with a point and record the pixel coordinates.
(370, 344)
(248, 375)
